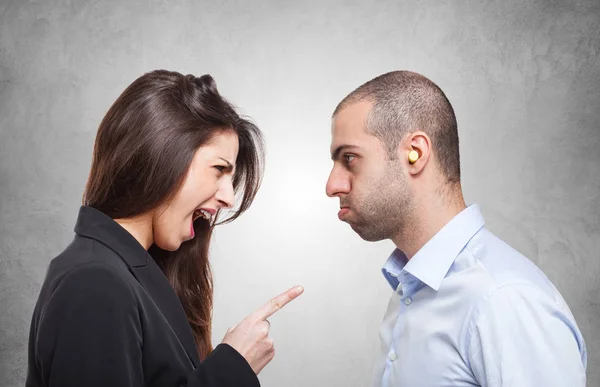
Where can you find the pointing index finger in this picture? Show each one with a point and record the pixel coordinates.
(277, 303)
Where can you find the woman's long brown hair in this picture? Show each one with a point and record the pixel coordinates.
(143, 149)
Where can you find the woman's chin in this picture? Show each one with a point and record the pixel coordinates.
(169, 246)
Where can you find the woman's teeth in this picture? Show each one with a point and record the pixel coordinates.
(202, 213)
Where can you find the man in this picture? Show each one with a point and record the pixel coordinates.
(466, 309)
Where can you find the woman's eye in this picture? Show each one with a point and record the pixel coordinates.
(220, 168)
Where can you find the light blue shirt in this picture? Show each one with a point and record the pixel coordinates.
(469, 310)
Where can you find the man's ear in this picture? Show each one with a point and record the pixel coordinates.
(414, 152)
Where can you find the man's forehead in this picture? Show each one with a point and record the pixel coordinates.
(353, 115)
(348, 126)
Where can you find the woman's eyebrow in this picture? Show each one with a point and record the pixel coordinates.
(229, 165)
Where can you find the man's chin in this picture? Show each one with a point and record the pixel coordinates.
(365, 234)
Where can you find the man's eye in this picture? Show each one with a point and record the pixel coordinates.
(348, 158)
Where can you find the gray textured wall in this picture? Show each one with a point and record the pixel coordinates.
(523, 78)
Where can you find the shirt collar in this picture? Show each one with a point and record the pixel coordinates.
(432, 262)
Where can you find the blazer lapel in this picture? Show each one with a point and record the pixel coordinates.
(160, 290)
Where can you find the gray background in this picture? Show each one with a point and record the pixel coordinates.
(523, 78)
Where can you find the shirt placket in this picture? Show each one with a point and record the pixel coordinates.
(392, 356)
(405, 290)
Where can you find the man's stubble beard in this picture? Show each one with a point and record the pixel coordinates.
(387, 209)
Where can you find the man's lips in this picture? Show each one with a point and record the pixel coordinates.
(343, 211)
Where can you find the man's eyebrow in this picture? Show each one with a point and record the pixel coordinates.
(339, 149)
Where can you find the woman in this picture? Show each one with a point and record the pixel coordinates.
(129, 301)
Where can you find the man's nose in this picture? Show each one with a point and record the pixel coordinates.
(337, 184)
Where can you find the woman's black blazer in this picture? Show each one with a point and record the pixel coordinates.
(107, 316)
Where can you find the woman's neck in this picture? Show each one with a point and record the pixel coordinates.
(140, 227)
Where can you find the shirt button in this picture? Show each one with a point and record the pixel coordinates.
(407, 301)
(393, 356)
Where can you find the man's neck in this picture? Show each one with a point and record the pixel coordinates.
(430, 214)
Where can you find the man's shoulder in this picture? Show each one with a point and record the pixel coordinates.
(497, 265)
